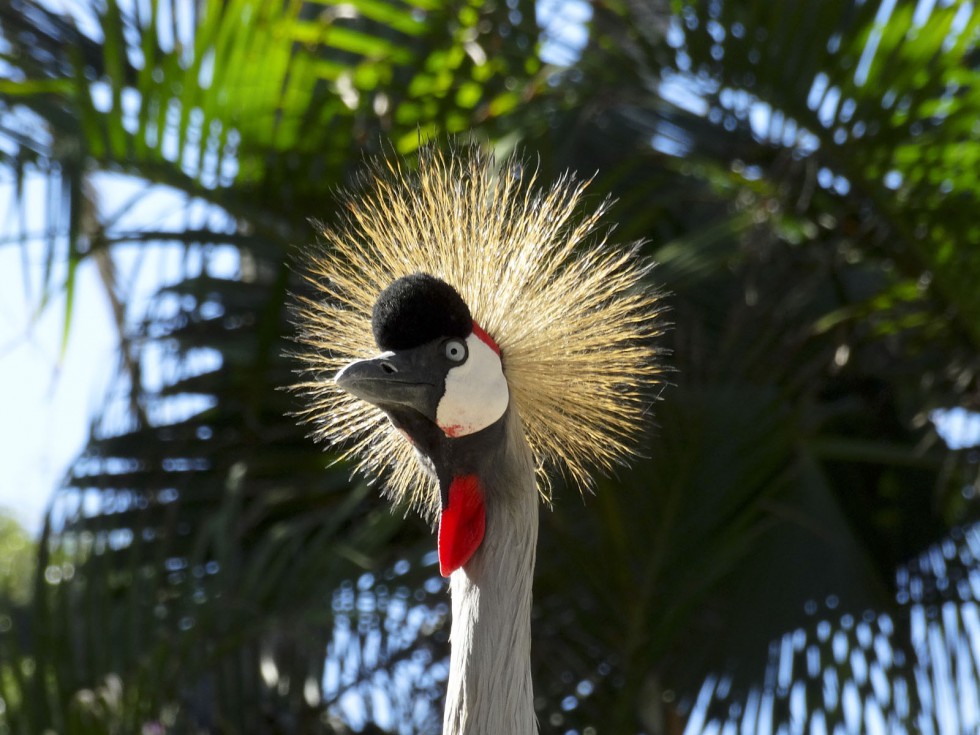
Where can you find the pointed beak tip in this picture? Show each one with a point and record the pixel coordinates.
(350, 377)
(343, 381)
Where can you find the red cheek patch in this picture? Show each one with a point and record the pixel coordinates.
(462, 524)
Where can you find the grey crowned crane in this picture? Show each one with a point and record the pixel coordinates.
(514, 341)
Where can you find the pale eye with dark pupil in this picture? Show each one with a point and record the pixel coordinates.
(455, 350)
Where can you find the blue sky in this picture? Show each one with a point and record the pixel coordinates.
(50, 395)
(47, 398)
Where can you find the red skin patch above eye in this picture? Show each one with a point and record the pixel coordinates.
(462, 524)
(486, 338)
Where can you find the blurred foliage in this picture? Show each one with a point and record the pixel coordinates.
(17, 554)
(806, 176)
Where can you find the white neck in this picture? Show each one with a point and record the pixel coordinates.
(489, 690)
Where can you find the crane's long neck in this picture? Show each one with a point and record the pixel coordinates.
(489, 690)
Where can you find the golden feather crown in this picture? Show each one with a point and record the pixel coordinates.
(573, 315)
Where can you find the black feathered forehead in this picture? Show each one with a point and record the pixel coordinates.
(417, 309)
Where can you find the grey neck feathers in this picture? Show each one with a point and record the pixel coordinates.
(489, 690)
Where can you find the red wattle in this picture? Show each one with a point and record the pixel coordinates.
(462, 524)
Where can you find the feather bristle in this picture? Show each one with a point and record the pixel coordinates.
(573, 315)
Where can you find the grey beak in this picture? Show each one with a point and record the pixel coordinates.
(392, 379)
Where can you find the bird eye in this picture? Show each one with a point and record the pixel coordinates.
(455, 350)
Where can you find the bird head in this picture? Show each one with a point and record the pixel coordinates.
(438, 373)
(440, 381)
(492, 301)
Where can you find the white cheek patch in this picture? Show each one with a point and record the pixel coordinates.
(476, 392)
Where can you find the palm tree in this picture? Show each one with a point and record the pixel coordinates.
(806, 176)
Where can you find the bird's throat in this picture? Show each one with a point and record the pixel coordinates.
(462, 524)
(461, 466)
